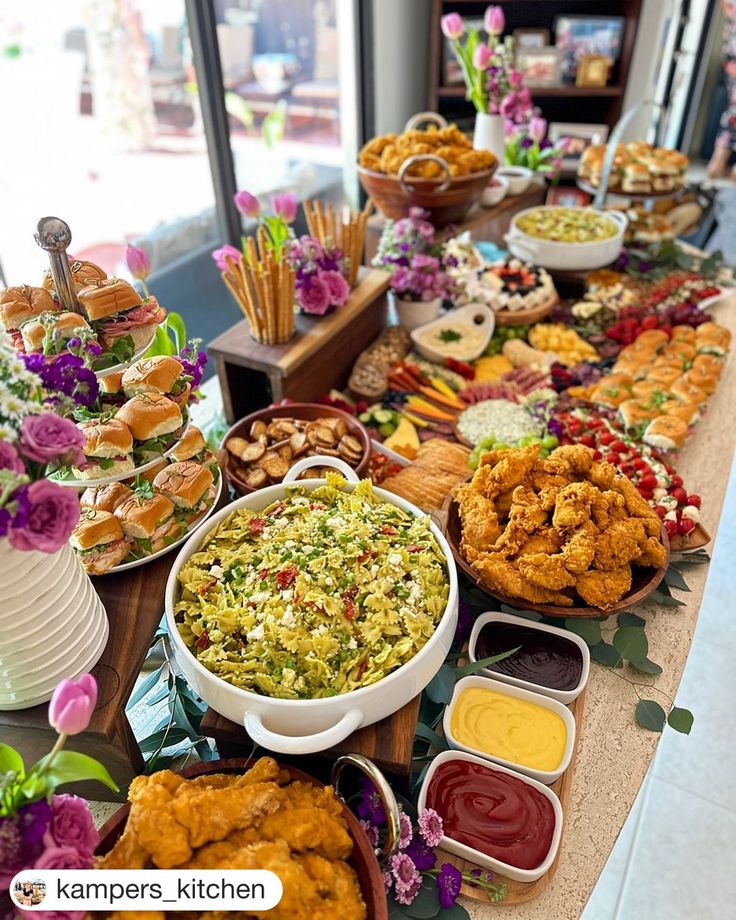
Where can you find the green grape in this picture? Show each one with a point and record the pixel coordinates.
(525, 441)
(543, 453)
(550, 441)
(501, 445)
(486, 441)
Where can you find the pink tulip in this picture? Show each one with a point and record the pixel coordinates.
(509, 128)
(138, 264)
(285, 206)
(481, 57)
(72, 705)
(247, 204)
(537, 128)
(227, 250)
(494, 21)
(452, 26)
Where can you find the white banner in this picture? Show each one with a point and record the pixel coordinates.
(146, 889)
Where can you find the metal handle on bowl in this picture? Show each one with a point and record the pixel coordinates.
(388, 799)
(421, 117)
(302, 744)
(618, 217)
(308, 462)
(419, 158)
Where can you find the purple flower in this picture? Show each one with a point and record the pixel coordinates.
(9, 459)
(407, 895)
(314, 297)
(73, 342)
(285, 206)
(247, 204)
(235, 255)
(11, 844)
(33, 821)
(93, 348)
(404, 871)
(465, 622)
(338, 289)
(387, 881)
(421, 855)
(406, 831)
(448, 885)
(527, 142)
(53, 515)
(47, 437)
(545, 143)
(645, 266)
(430, 827)
(71, 825)
(370, 807)
(371, 832)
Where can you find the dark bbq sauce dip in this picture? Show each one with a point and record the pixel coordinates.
(544, 658)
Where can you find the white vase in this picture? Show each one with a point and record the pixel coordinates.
(489, 135)
(52, 624)
(414, 313)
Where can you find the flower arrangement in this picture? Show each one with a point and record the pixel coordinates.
(38, 829)
(494, 86)
(276, 226)
(529, 146)
(320, 280)
(35, 514)
(412, 874)
(408, 251)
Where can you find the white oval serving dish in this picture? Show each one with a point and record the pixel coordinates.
(473, 314)
(562, 696)
(482, 859)
(308, 726)
(543, 776)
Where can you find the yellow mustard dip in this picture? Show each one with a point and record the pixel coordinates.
(509, 728)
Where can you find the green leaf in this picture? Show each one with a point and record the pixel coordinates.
(10, 760)
(681, 720)
(175, 325)
(72, 767)
(631, 643)
(646, 665)
(675, 580)
(527, 614)
(606, 655)
(456, 912)
(427, 734)
(420, 779)
(474, 666)
(426, 904)
(630, 619)
(588, 630)
(440, 688)
(666, 600)
(145, 685)
(650, 714)
(153, 742)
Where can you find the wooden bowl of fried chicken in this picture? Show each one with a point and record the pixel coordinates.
(241, 814)
(564, 536)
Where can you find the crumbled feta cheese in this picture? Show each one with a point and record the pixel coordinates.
(256, 634)
(287, 594)
(374, 571)
(328, 581)
(353, 642)
(395, 559)
(216, 571)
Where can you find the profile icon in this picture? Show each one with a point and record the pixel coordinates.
(29, 892)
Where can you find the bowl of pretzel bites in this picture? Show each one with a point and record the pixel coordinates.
(261, 448)
(436, 170)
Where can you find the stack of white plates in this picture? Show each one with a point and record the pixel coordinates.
(52, 624)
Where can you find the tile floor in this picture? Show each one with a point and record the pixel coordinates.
(676, 850)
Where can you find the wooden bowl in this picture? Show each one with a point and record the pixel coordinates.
(643, 581)
(362, 859)
(306, 411)
(448, 198)
(527, 316)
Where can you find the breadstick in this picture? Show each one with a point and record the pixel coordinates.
(320, 221)
(331, 223)
(262, 243)
(252, 297)
(309, 215)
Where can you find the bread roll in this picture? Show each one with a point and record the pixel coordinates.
(19, 304)
(104, 298)
(150, 416)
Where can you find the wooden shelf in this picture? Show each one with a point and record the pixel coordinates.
(562, 91)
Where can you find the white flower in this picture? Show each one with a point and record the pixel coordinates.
(7, 433)
(16, 367)
(12, 406)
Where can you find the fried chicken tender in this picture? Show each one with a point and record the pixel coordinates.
(545, 540)
(153, 822)
(209, 817)
(546, 571)
(602, 475)
(604, 589)
(579, 551)
(635, 504)
(620, 544)
(526, 516)
(653, 553)
(336, 883)
(501, 575)
(607, 507)
(310, 819)
(573, 505)
(128, 853)
(573, 458)
(507, 472)
(479, 519)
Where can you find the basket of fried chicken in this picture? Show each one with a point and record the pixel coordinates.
(564, 535)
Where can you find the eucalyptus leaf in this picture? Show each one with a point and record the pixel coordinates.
(646, 666)
(675, 580)
(72, 767)
(456, 912)
(606, 654)
(427, 734)
(627, 618)
(474, 666)
(681, 720)
(631, 643)
(144, 686)
(527, 614)
(440, 688)
(420, 779)
(426, 904)
(649, 714)
(173, 736)
(10, 760)
(395, 910)
(588, 630)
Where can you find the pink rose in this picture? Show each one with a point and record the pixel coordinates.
(54, 857)
(71, 825)
(48, 436)
(52, 516)
(338, 289)
(9, 459)
(314, 297)
(231, 252)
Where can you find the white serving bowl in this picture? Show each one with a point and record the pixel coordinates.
(518, 177)
(473, 314)
(482, 859)
(562, 696)
(495, 192)
(308, 726)
(543, 776)
(552, 254)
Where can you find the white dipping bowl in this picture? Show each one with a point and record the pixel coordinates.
(518, 177)
(495, 192)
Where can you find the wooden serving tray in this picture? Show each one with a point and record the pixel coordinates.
(518, 892)
(528, 316)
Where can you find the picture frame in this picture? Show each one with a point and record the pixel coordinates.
(581, 35)
(593, 70)
(531, 38)
(540, 66)
(580, 136)
(452, 74)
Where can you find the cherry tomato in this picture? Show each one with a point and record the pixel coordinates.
(680, 494)
(671, 528)
(646, 494)
(614, 459)
(661, 511)
(639, 464)
(693, 500)
(588, 440)
(606, 438)
(648, 482)
(597, 455)
(650, 322)
(685, 526)
(676, 481)
(595, 423)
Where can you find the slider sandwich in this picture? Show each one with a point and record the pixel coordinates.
(99, 541)
(667, 432)
(664, 173)
(712, 339)
(709, 363)
(160, 374)
(688, 412)
(688, 392)
(152, 419)
(635, 178)
(23, 303)
(107, 449)
(83, 273)
(633, 413)
(48, 333)
(664, 374)
(115, 310)
(189, 486)
(105, 498)
(149, 524)
(683, 334)
(194, 447)
(111, 390)
(701, 377)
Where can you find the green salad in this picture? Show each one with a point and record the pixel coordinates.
(567, 225)
(320, 593)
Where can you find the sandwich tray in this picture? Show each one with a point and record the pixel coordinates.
(139, 352)
(634, 196)
(66, 479)
(195, 525)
